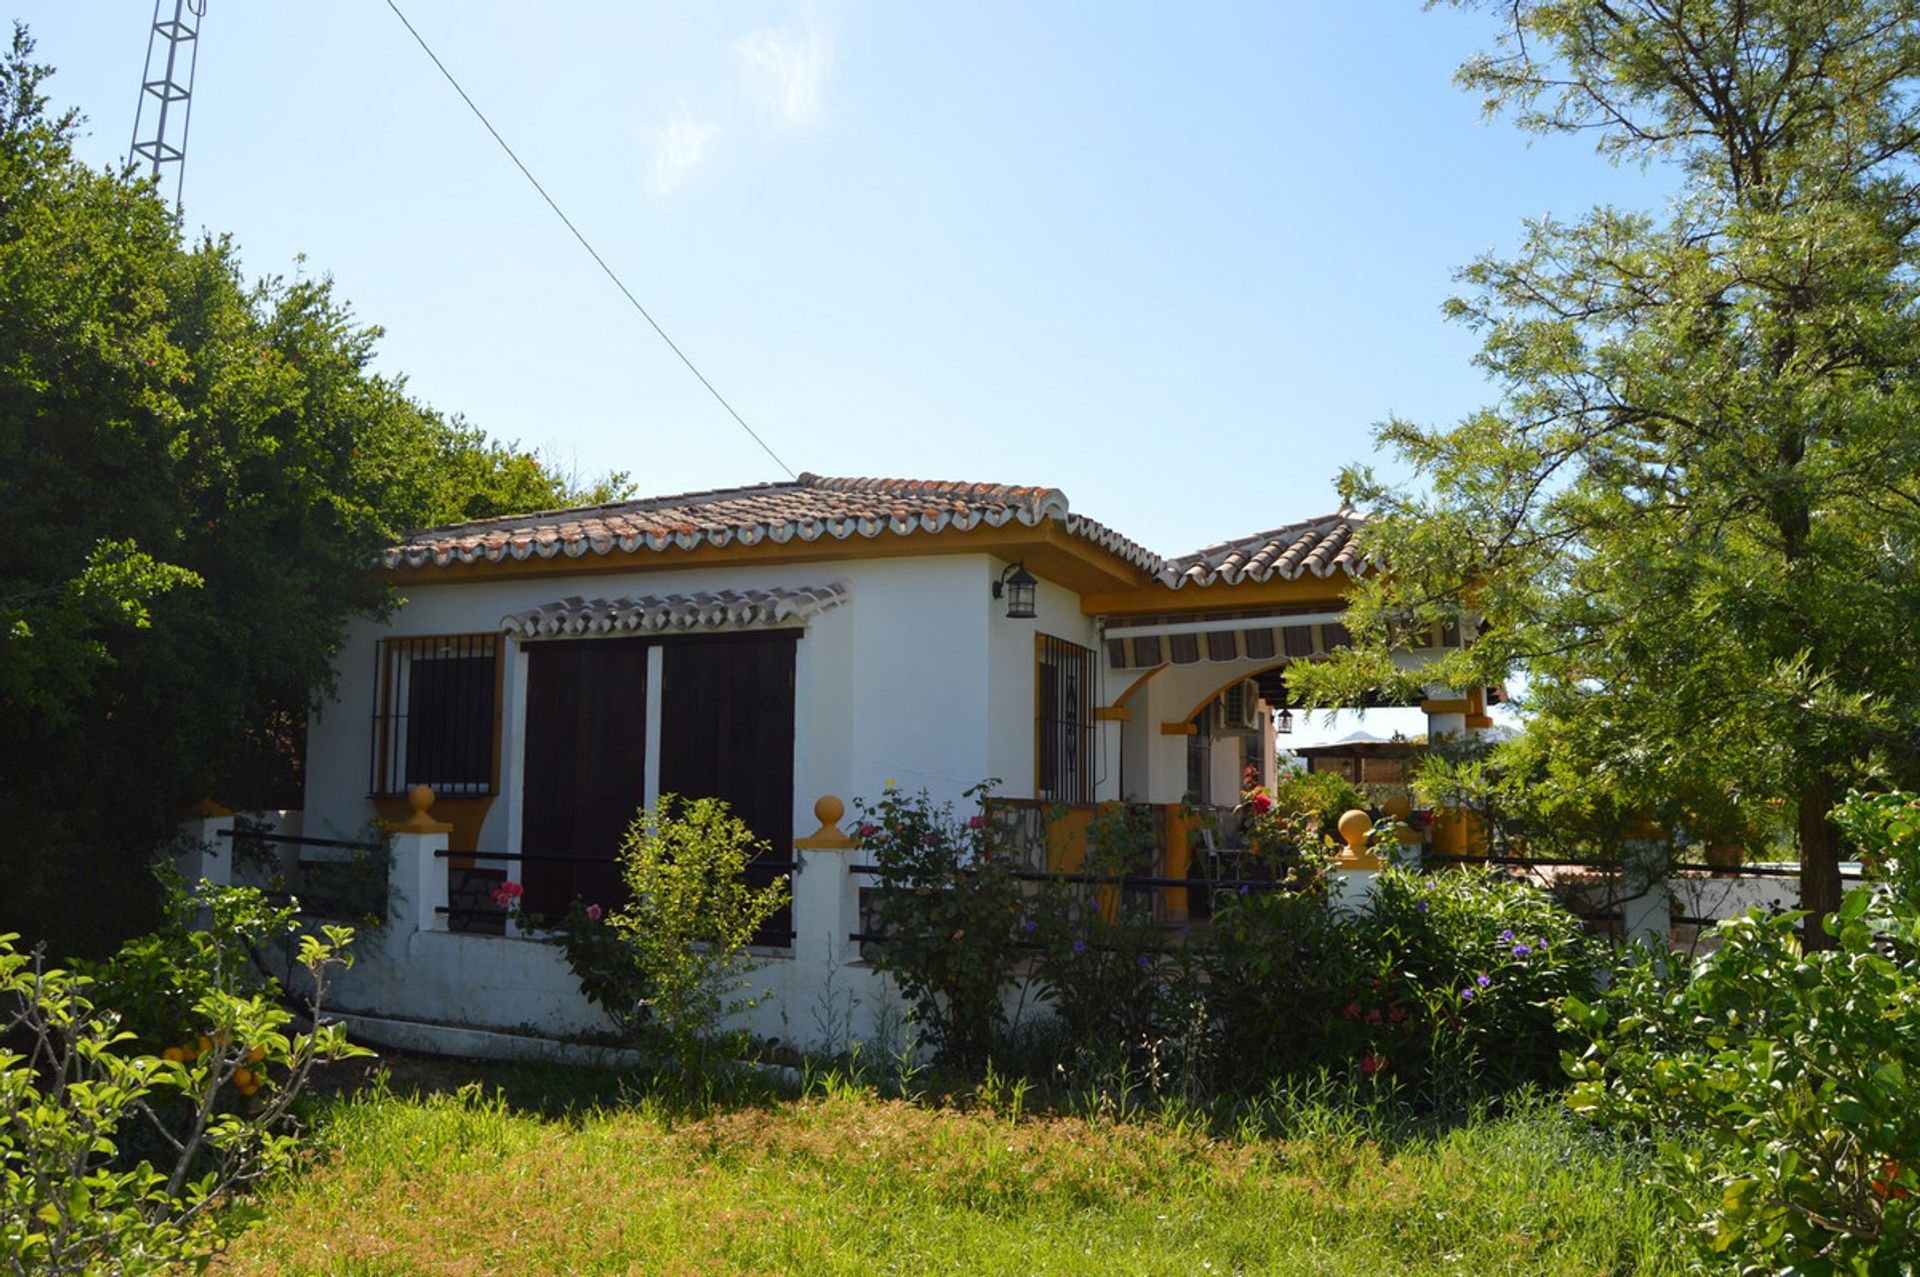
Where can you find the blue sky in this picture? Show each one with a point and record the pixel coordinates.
(1176, 260)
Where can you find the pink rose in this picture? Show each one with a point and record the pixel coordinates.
(1262, 804)
(976, 823)
(593, 913)
(868, 831)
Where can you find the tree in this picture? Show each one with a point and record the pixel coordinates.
(1691, 519)
(195, 473)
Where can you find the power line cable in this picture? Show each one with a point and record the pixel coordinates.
(592, 252)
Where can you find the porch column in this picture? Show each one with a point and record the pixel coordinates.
(1454, 716)
(417, 874)
(826, 896)
(203, 851)
(1646, 906)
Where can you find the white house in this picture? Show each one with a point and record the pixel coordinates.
(548, 674)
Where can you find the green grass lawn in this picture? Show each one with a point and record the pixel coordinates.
(527, 1172)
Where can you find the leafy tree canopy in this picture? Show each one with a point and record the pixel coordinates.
(195, 471)
(1691, 518)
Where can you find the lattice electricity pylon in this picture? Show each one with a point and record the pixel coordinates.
(173, 97)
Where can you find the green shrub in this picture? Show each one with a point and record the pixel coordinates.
(1122, 997)
(604, 963)
(1280, 965)
(954, 917)
(688, 922)
(79, 1099)
(1464, 975)
(1322, 796)
(1780, 1087)
(1446, 986)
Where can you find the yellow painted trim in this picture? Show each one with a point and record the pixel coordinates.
(1139, 683)
(1112, 714)
(207, 809)
(420, 799)
(1479, 720)
(1237, 678)
(828, 810)
(1179, 729)
(1458, 706)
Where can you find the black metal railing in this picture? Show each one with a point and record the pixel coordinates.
(354, 887)
(492, 917)
(1201, 891)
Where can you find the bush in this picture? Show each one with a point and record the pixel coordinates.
(78, 1097)
(1447, 986)
(1780, 1087)
(1464, 975)
(953, 916)
(1323, 797)
(689, 920)
(1123, 999)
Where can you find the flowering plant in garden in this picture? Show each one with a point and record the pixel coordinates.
(1478, 963)
(951, 912)
(604, 965)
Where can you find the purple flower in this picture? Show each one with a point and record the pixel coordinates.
(1521, 951)
(1484, 981)
(1079, 946)
(1027, 925)
(1506, 937)
(1144, 961)
(1466, 995)
(1422, 906)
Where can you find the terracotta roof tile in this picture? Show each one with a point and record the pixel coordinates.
(1320, 547)
(813, 508)
(653, 613)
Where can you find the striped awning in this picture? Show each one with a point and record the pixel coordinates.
(675, 613)
(1139, 644)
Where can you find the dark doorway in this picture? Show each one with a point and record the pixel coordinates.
(585, 776)
(726, 728)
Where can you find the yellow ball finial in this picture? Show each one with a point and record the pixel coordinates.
(1355, 825)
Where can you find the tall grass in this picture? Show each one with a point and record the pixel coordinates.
(584, 1174)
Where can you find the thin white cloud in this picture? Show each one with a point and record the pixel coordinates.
(786, 71)
(679, 146)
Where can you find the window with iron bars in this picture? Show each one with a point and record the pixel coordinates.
(1064, 722)
(436, 715)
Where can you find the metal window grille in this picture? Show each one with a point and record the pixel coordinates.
(435, 715)
(1200, 758)
(1065, 722)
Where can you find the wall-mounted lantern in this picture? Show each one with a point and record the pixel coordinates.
(1016, 584)
(1283, 721)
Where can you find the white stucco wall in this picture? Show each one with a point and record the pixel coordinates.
(918, 677)
(1013, 650)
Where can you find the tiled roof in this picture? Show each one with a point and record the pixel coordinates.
(812, 508)
(652, 613)
(1321, 546)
